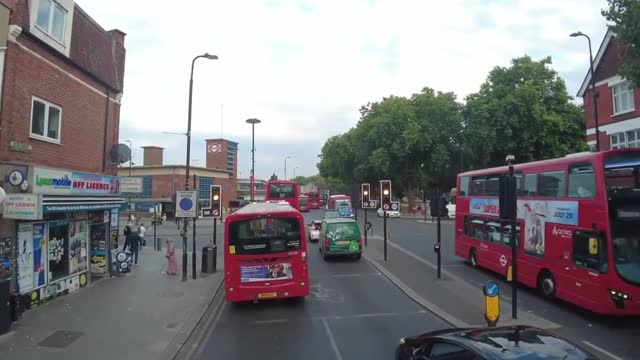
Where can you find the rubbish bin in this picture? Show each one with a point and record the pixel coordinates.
(5, 306)
(209, 259)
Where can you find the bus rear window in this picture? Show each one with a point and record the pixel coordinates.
(264, 235)
(281, 191)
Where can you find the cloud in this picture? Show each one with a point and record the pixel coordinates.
(305, 67)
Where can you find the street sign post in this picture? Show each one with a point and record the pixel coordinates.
(491, 292)
(385, 201)
(508, 209)
(186, 204)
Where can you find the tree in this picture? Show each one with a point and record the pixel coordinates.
(523, 110)
(625, 15)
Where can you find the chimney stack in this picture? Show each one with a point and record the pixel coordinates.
(153, 155)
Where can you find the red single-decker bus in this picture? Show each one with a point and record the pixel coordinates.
(578, 228)
(265, 253)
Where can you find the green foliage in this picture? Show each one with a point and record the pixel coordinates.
(522, 110)
(424, 140)
(625, 15)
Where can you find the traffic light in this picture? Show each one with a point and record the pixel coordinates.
(365, 195)
(216, 201)
(385, 194)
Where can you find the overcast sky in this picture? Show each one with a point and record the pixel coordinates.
(305, 67)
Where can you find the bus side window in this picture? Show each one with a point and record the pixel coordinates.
(477, 185)
(552, 184)
(464, 186)
(530, 184)
(589, 251)
(493, 185)
(582, 181)
(519, 176)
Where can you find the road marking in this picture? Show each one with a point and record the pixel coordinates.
(343, 275)
(207, 330)
(267, 322)
(602, 350)
(332, 340)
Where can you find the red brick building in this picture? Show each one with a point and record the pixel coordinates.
(618, 102)
(160, 182)
(61, 83)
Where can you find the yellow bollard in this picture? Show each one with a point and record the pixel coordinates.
(491, 292)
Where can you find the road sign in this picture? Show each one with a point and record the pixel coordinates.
(372, 204)
(186, 204)
(395, 206)
(386, 207)
(491, 292)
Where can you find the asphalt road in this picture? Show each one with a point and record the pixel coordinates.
(614, 335)
(353, 312)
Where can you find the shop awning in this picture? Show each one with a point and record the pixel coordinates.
(52, 204)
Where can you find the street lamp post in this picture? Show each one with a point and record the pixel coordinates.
(130, 163)
(593, 87)
(294, 172)
(253, 123)
(285, 167)
(186, 178)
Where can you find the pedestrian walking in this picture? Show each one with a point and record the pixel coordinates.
(141, 232)
(164, 218)
(126, 233)
(134, 245)
(172, 265)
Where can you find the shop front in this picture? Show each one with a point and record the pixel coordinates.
(64, 230)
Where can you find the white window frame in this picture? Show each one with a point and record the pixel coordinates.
(626, 91)
(45, 125)
(625, 142)
(49, 31)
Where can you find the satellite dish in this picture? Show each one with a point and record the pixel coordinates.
(120, 153)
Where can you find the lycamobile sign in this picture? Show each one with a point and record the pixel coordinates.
(63, 182)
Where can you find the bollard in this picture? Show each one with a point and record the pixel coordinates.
(491, 292)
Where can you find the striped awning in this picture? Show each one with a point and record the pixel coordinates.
(52, 204)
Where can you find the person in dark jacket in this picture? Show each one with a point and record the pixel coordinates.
(126, 232)
(133, 239)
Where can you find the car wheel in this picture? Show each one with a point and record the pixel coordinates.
(473, 258)
(547, 284)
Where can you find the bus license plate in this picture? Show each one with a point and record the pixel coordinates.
(343, 242)
(267, 295)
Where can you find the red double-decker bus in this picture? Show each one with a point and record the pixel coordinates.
(303, 203)
(286, 190)
(578, 228)
(265, 253)
(314, 200)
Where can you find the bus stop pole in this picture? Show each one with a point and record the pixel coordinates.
(384, 212)
(193, 252)
(514, 245)
(364, 226)
(438, 236)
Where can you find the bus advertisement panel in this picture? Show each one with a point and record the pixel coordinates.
(577, 230)
(286, 190)
(265, 253)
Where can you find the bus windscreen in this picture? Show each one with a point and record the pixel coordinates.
(264, 236)
(281, 191)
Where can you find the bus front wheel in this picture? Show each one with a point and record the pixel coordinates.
(473, 258)
(547, 284)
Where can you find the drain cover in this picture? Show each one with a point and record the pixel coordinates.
(60, 339)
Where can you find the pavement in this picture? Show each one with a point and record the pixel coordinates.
(145, 314)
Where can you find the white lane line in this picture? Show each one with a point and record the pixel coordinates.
(344, 275)
(360, 316)
(602, 350)
(332, 340)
